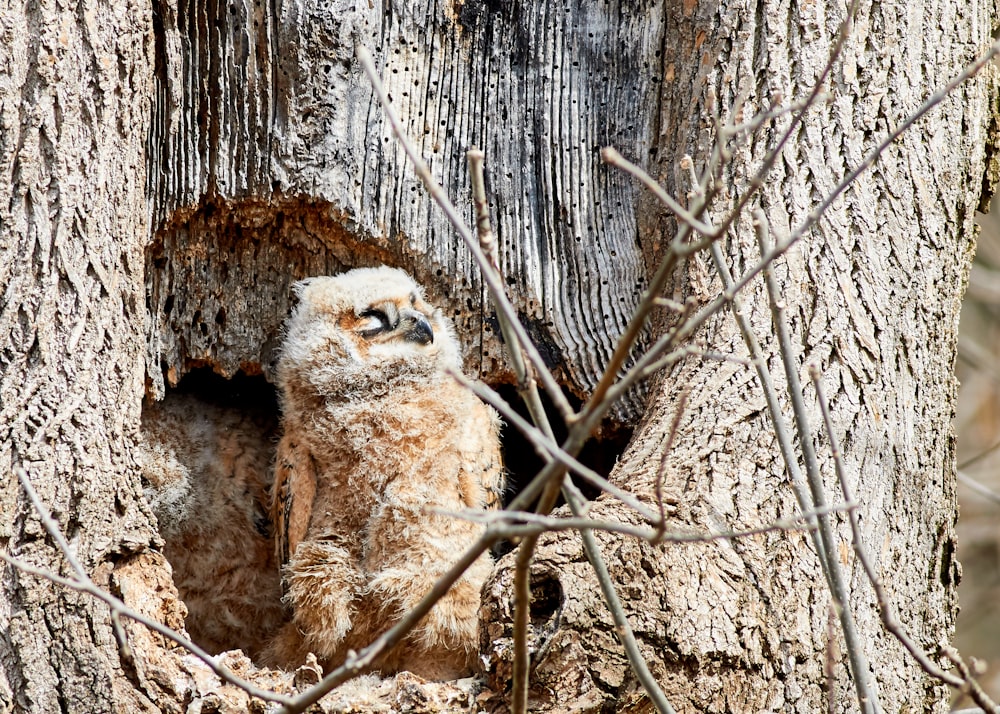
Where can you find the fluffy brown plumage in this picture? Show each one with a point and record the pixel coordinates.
(207, 473)
(377, 437)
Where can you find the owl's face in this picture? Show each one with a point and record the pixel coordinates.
(365, 329)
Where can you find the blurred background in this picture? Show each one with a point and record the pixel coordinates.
(977, 425)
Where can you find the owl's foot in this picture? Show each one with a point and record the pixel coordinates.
(322, 585)
(443, 645)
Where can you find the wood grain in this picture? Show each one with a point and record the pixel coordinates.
(262, 113)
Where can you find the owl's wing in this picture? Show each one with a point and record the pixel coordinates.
(293, 495)
(493, 475)
(482, 478)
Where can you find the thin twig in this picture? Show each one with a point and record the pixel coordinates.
(784, 438)
(675, 423)
(529, 394)
(484, 230)
(522, 604)
(773, 112)
(970, 685)
(81, 582)
(507, 524)
(613, 158)
(50, 524)
(522, 595)
(867, 698)
(527, 387)
(600, 400)
(889, 620)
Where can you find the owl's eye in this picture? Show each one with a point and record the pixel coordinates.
(374, 322)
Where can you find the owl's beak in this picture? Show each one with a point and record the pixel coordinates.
(415, 327)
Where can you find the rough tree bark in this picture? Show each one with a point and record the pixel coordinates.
(267, 159)
(873, 298)
(75, 100)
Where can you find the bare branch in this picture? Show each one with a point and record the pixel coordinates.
(526, 385)
(522, 605)
(767, 384)
(508, 524)
(969, 684)
(867, 698)
(50, 524)
(661, 522)
(490, 277)
(81, 582)
(886, 611)
(482, 207)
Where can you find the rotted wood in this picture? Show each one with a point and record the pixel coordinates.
(273, 161)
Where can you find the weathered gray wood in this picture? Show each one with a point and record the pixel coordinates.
(873, 299)
(266, 101)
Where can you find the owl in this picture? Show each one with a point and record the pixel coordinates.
(207, 472)
(379, 443)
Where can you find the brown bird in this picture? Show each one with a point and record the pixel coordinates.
(378, 443)
(207, 470)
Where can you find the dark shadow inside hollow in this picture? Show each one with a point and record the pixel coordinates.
(242, 391)
(522, 461)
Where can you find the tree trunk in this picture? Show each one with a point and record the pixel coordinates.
(268, 159)
(74, 109)
(288, 168)
(872, 297)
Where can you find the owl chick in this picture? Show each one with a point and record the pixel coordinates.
(377, 441)
(207, 473)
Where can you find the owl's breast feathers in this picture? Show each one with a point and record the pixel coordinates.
(439, 437)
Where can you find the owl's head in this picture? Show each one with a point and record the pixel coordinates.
(361, 333)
